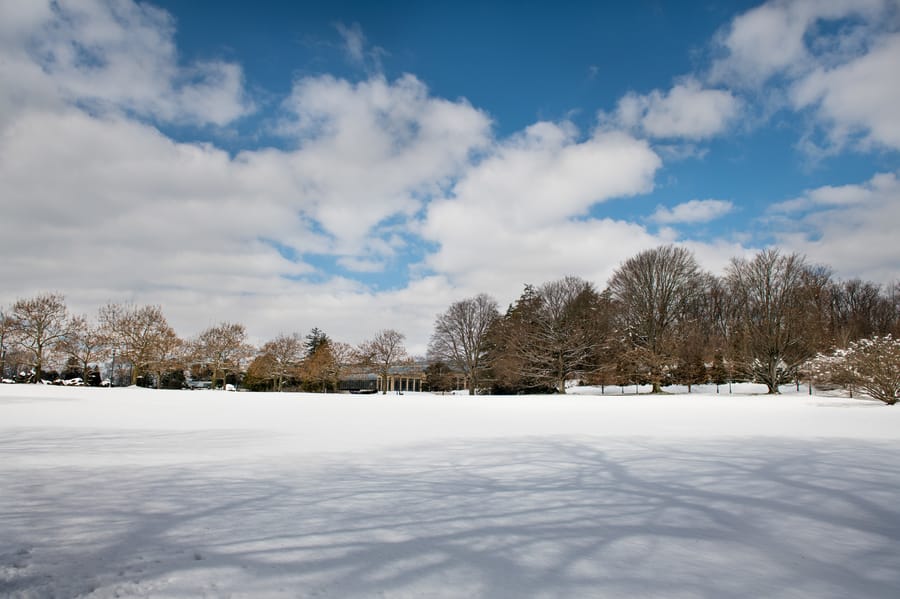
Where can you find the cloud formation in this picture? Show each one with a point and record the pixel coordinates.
(694, 211)
(837, 59)
(113, 57)
(100, 203)
(687, 111)
(373, 150)
(852, 228)
(858, 97)
(521, 215)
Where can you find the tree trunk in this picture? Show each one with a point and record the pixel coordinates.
(772, 383)
(37, 364)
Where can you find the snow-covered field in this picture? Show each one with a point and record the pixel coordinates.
(137, 493)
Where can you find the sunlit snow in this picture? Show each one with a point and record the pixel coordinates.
(140, 493)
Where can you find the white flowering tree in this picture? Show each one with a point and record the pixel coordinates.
(872, 365)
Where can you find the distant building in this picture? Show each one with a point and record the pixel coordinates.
(404, 378)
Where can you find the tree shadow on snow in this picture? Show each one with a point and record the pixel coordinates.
(539, 517)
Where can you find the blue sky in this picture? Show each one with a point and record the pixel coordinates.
(354, 165)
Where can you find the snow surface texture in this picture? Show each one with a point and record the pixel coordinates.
(137, 493)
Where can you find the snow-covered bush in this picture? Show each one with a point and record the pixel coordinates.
(872, 365)
(830, 371)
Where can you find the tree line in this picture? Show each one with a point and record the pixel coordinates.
(40, 341)
(773, 318)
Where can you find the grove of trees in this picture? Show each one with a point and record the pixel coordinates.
(771, 318)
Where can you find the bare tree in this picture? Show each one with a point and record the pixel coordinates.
(7, 329)
(342, 355)
(136, 333)
(655, 292)
(384, 352)
(284, 354)
(548, 336)
(41, 325)
(319, 368)
(169, 355)
(87, 344)
(859, 309)
(771, 309)
(460, 337)
(222, 348)
(258, 376)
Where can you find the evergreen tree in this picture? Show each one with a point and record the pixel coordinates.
(316, 339)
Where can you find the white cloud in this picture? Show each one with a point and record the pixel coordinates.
(131, 214)
(837, 59)
(373, 150)
(694, 211)
(686, 111)
(859, 96)
(851, 228)
(830, 196)
(520, 215)
(771, 39)
(104, 207)
(112, 56)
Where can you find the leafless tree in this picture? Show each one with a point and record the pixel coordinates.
(549, 336)
(771, 307)
(342, 355)
(284, 354)
(170, 354)
(137, 333)
(859, 309)
(655, 292)
(319, 369)
(259, 374)
(383, 352)
(460, 337)
(222, 348)
(87, 343)
(41, 325)
(7, 329)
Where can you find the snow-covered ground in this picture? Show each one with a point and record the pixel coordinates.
(137, 493)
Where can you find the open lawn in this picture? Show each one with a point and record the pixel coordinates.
(139, 493)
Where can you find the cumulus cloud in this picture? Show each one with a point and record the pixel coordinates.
(852, 228)
(522, 212)
(132, 214)
(128, 213)
(773, 39)
(861, 96)
(112, 57)
(373, 150)
(835, 59)
(100, 204)
(686, 111)
(694, 211)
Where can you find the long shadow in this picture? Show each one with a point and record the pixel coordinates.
(536, 517)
